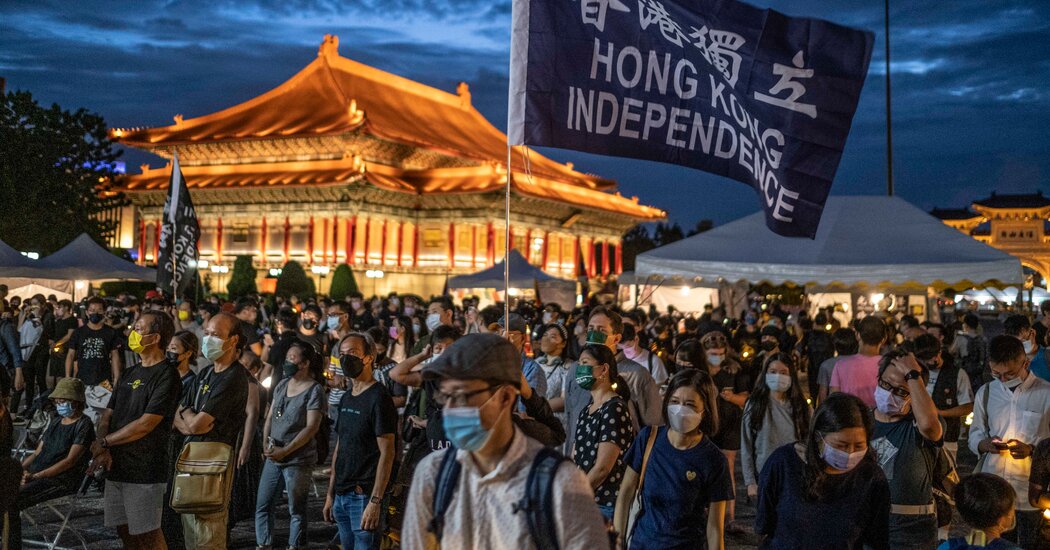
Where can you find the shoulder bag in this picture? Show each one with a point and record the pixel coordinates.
(636, 504)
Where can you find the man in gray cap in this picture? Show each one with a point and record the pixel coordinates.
(479, 378)
(515, 332)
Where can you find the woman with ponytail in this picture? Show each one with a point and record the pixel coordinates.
(827, 492)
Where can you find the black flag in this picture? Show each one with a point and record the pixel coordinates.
(179, 234)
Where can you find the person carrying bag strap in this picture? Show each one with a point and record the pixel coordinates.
(637, 504)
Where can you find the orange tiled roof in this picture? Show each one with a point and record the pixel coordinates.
(442, 180)
(335, 95)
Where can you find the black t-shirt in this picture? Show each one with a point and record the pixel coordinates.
(93, 349)
(729, 415)
(143, 390)
(62, 327)
(362, 419)
(223, 395)
(58, 439)
(1040, 473)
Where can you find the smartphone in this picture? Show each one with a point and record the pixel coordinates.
(1001, 445)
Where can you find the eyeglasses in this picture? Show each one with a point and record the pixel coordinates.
(460, 399)
(899, 392)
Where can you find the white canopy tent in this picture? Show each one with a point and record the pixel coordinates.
(863, 244)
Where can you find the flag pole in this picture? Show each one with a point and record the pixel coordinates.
(889, 118)
(506, 241)
(174, 228)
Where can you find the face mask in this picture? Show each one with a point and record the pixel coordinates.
(393, 333)
(410, 311)
(212, 347)
(841, 460)
(683, 419)
(308, 324)
(289, 369)
(1012, 383)
(333, 322)
(768, 346)
(1029, 347)
(715, 359)
(749, 319)
(352, 365)
(356, 304)
(778, 382)
(463, 428)
(184, 316)
(416, 329)
(198, 319)
(578, 330)
(546, 317)
(596, 337)
(395, 302)
(585, 376)
(135, 342)
(64, 409)
(172, 357)
(630, 353)
(889, 402)
(95, 318)
(433, 321)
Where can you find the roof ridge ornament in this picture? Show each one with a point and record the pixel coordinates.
(329, 46)
(463, 91)
(355, 115)
(177, 119)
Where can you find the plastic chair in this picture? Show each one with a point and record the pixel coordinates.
(67, 503)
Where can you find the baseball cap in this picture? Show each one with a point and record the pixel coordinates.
(517, 323)
(478, 356)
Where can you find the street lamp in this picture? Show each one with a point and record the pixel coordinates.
(321, 271)
(374, 274)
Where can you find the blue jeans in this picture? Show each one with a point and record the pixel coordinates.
(272, 481)
(607, 512)
(348, 509)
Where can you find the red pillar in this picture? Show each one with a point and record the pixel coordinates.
(415, 245)
(491, 253)
(351, 240)
(605, 258)
(156, 241)
(474, 245)
(142, 242)
(576, 255)
(368, 236)
(218, 240)
(263, 237)
(400, 240)
(287, 238)
(619, 258)
(310, 242)
(335, 239)
(324, 241)
(592, 267)
(546, 239)
(452, 244)
(382, 245)
(528, 246)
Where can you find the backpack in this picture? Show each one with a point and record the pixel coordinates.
(537, 502)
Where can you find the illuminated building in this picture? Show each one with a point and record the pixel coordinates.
(345, 163)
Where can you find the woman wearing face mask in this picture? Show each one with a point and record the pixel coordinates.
(827, 492)
(734, 386)
(402, 338)
(57, 466)
(604, 429)
(291, 451)
(686, 480)
(776, 414)
(181, 354)
(556, 366)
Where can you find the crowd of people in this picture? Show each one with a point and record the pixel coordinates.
(457, 426)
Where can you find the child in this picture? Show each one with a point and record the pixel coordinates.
(986, 503)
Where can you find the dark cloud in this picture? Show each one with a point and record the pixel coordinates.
(970, 102)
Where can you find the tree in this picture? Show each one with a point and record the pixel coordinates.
(634, 242)
(667, 233)
(294, 282)
(242, 280)
(343, 283)
(57, 171)
(701, 226)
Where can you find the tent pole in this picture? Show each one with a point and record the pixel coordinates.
(506, 241)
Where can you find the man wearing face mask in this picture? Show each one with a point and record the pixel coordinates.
(364, 450)
(1011, 415)
(907, 438)
(94, 356)
(337, 327)
(478, 380)
(857, 374)
(361, 315)
(185, 318)
(515, 332)
(439, 312)
(286, 336)
(215, 412)
(1019, 327)
(632, 349)
(132, 439)
(948, 385)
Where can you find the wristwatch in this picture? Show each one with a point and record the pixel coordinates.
(375, 500)
(912, 375)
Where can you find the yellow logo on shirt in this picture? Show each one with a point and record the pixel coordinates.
(135, 385)
(690, 475)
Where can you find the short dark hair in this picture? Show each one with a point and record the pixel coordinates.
(209, 308)
(615, 321)
(1005, 348)
(379, 336)
(983, 499)
(925, 347)
(306, 351)
(971, 320)
(603, 355)
(287, 318)
(629, 332)
(162, 324)
(445, 332)
(845, 341)
(1014, 324)
(312, 308)
(343, 307)
(444, 301)
(872, 330)
(66, 304)
(886, 360)
(908, 321)
(193, 305)
(95, 300)
(245, 303)
(490, 314)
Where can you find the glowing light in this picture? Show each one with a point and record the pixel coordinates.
(220, 269)
(827, 326)
(203, 264)
(969, 419)
(877, 297)
(1046, 514)
(747, 354)
(320, 269)
(684, 291)
(513, 292)
(809, 401)
(375, 274)
(276, 271)
(267, 382)
(80, 285)
(32, 255)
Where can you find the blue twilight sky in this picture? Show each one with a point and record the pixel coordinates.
(971, 80)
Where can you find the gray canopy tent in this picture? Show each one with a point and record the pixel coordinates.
(523, 275)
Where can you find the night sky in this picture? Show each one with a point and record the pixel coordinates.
(971, 80)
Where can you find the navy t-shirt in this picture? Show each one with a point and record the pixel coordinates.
(679, 485)
(854, 513)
